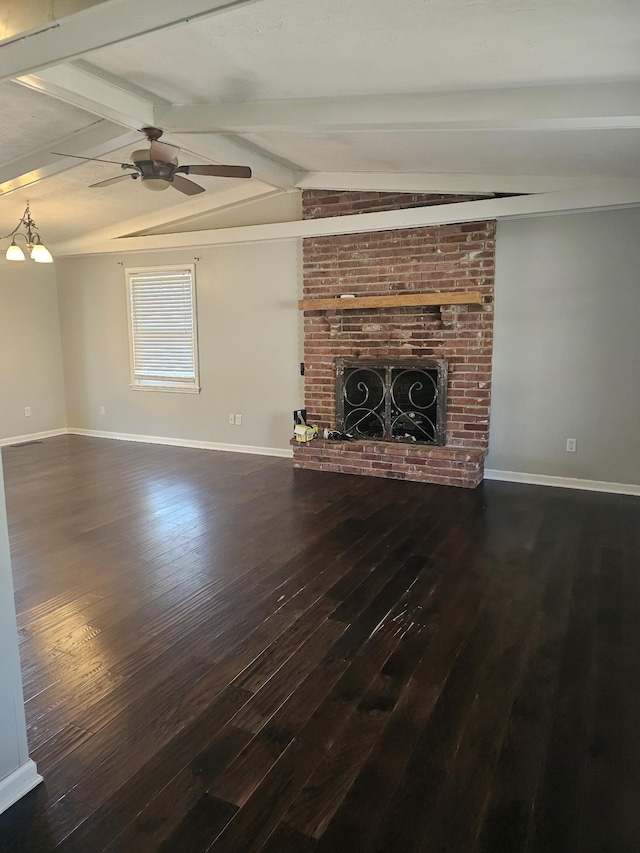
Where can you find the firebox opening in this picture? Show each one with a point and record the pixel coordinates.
(392, 401)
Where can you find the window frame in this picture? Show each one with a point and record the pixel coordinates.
(164, 384)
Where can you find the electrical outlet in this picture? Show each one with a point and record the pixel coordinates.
(27, 411)
(238, 420)
(232, 420)
(572, 445)
(102, 410)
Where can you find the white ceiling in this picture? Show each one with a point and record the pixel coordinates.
(327, 48)
(31, 120)
(443, 95)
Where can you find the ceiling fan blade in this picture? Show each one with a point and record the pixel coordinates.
(163, 152)
(217, 171)
(185, 186)
(97, 159)
(112, 180)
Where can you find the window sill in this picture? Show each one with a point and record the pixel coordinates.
(165, 388)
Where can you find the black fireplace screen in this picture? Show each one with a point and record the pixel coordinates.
(401, 401)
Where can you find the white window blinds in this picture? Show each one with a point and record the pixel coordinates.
(162, 314)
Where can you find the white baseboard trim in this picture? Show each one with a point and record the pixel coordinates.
(562, 482)
(32, 436)
(18, 783)
(185, 442)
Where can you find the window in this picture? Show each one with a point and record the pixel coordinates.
(162, 329)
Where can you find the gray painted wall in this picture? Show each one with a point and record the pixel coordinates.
(13, 739)
(249, 344)
(567, 346)
(567, 307)
(30, 352)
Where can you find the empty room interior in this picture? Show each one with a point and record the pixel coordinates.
(319, 426)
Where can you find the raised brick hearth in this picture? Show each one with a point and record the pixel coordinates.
(446, 465)
(440, 258)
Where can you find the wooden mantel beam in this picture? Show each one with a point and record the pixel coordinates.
(398, 300)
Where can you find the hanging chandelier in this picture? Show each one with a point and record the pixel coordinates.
(38, 252)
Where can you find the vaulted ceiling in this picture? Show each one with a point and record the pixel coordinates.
(469, 96)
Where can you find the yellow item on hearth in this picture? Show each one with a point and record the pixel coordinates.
(305, 433)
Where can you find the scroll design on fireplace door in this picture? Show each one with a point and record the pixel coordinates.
(392, 401)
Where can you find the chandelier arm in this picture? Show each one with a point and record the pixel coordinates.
(28, 223)
(14, 232)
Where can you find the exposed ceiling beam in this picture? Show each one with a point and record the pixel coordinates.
(86, 87)
(95, 141)
(238, 196)
(20, 17)
(188, 209)
(221, 149)
(97, 27)
(542, 108)
(83, 86)
(456, 183)
(618, 195)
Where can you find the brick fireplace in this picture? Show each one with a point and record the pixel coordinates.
(440, 259)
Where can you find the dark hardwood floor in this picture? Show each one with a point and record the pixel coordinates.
(221, 653)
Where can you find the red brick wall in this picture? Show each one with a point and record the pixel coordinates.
(439, 258)
(319, 203)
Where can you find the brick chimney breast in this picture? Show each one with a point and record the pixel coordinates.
(457, 257)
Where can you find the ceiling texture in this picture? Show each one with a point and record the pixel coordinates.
(536, 99)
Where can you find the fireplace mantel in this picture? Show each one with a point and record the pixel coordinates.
(398, 300)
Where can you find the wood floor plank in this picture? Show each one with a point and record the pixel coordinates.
(274, 788)
(312, 623)
(290, 839)
(206, 819)
(87, 791)
(173, 804)
(611, 809)
(276, 690)
(508, 820)
(560, 797)
(455, 611)
(412, 811)
(326, 788)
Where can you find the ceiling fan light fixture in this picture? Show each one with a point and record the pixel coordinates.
(155, 184)
(140, 155)
(14, 252)
(143, 155)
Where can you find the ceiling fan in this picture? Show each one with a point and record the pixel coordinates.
(157, 167)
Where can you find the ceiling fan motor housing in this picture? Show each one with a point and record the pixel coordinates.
(155, 174)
